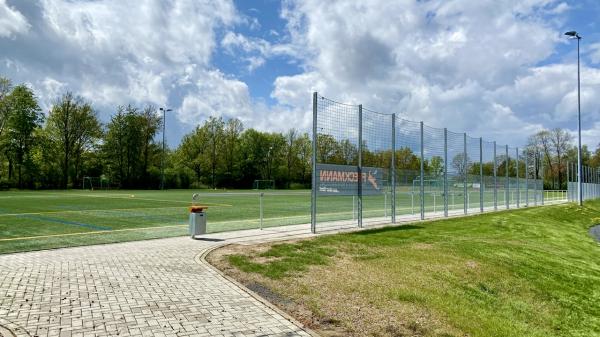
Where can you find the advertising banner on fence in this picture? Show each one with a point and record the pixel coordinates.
(343, 180)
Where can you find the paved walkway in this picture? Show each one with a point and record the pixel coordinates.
(145, 288)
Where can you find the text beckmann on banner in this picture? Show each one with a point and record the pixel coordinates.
(343, 180)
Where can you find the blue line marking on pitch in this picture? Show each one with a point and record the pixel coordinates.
(66, 222)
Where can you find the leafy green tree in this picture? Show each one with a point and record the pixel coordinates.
(291, 153)
(74, 127)
(191, 152)
(304, 145)
(407, 160)
(231, 134)
(215, 131)
(5, 90)
(149, 122)
(436, 166)
(23, 119)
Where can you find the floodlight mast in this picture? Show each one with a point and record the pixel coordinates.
(162, 164)
(573, 34)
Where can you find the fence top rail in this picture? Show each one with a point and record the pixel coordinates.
(404, 120)
(330, 101)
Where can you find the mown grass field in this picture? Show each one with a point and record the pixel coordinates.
(527, 272)
(31, 220)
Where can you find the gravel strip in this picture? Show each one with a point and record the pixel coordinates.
(595, 232)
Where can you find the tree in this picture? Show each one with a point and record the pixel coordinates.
(5, 89)
(460, 164)
(407, 160)
(24, 118)
(214, 128)
(304, 157)
(561, 142)
(436, 166)
(191, 152)
(595, 159)
(74, 127)
(541, 143)
(149, 122)
(291, 153)
(113, 146)
(233, 130)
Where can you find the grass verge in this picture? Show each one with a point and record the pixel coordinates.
(527, 272)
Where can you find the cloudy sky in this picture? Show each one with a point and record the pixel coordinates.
(501, 69)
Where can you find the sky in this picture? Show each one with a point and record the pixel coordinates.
(499, 69)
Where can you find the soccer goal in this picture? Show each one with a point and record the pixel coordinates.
(264, 185)
(96, 183)
(429, 185)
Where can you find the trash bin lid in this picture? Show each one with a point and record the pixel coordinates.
(197, 209)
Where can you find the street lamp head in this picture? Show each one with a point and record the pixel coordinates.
(573, 34)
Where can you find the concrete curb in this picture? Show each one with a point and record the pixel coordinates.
(201, 259)
(10, 329)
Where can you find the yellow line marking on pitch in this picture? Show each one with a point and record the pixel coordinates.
(85, 233)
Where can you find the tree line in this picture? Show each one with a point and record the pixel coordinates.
(60, 149)
(57, 150)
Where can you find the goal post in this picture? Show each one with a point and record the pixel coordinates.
(263, 185)
(95, 183)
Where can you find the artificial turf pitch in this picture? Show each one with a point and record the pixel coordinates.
(31, 220)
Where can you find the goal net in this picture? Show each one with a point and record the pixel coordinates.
(264, 184)
(96, 183)
(429, 185)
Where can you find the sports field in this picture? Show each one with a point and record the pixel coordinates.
(31, 220)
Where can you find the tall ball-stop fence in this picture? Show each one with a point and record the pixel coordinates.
(371, 167)
(590, 182)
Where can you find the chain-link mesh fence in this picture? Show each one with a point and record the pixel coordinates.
(372, 167)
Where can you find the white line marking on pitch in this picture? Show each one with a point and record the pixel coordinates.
(86, 233)
(105, 210)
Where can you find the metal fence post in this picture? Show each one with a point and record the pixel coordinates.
(495, 179)
(568, 181)
(445, 172)
(527, 178)
(422, 175)
(313, 201)
(535, 190)
(481, 184)
(260, 197)
(353, 207)
(465, 196)
(393, 168)
(542, 177)
(507, 182)
(518, 185)
(360, 175)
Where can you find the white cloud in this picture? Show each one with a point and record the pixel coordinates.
(113, 52)
(12, 22)
(467, 65)
(594, 49)
(216, 95)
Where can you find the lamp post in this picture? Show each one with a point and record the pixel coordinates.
(575, 35)
(269, 162)
(162, 164)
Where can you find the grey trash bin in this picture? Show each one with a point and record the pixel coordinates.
(197, 221)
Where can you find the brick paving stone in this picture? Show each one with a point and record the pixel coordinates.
(143, 288)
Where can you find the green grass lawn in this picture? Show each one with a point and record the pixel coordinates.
(32, 220)
(528, 272)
